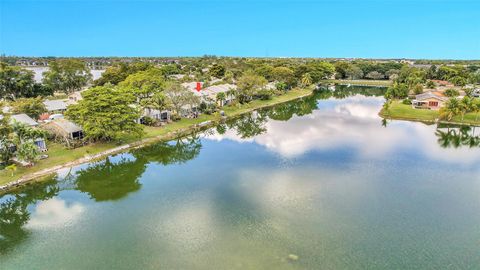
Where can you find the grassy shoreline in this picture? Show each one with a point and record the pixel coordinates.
(60, 158)
(399, 111)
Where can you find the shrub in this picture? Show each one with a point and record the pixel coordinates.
(451, 92)
(430, 84)
(264, 94)
(407, 101)
(418, 89)
(149, 121)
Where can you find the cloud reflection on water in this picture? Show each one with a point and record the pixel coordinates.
(352, 122)
(54, 213)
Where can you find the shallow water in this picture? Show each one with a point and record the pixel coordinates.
(323, 179)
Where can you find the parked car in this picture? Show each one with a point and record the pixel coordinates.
(55, 116)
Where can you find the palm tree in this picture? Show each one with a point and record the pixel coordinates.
(221, 97)
(386, 106)
(466, 105)
(306, 80)
(451, 109)
(476, 108)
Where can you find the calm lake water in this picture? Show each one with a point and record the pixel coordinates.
(321, 183)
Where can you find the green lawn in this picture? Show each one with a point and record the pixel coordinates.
(59, 155)
(406, 112)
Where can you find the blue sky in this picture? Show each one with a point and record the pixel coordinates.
(347, 28)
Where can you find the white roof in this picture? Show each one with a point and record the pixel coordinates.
(210, 91)
(213, 90)
(192, 86)
(428, 95)
(55, 105)
(177, 76)
(66, 125)
(24, 119)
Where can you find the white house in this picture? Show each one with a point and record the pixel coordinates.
(27, 120)
(55, 106)
(212, 91)
(24, 119)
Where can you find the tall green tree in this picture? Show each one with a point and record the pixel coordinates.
(466, 105)
(120, 71)
(320, 70)
(180, 97)
(306, 80)
(217, 71)
(33, 107)
(285, 75)
(249, 84)
(450, 109)
(67, 75)
(16, 82)
(106, 113)
(6, 151)
(28, 152)
(144, 84)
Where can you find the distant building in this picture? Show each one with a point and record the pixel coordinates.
(443, 83)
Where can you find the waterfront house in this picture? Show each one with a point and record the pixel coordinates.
(162, 116)
(27, 120)
(64, 130)
(211, 92)
(431, 100)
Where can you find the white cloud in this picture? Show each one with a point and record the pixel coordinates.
(54, 213)
(352, 122)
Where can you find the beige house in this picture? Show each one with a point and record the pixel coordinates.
(65, 131)
(429, 100)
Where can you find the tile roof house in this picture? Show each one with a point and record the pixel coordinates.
(429, 100)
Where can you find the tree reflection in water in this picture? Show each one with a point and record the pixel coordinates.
(107, 180)
(180, 151)
(14, 213)
(455, 136)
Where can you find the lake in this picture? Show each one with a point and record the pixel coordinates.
(318, 183)
(38, 73)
